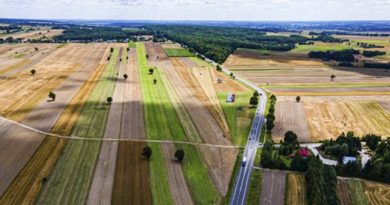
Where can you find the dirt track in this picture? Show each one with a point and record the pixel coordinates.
(272, 191)
(15, 152)
(219, 161)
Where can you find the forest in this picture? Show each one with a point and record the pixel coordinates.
(217, 43)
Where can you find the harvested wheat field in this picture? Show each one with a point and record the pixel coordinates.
(290, 116)
(47, 33)
(328, 119)
(29, 180)
(296, 189)
(377, 193)
(290, 67)
(44, 115)
(273, 187)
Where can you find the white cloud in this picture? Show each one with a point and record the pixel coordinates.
(198, 9)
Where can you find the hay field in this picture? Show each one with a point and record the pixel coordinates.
(328, 119)
(37, 34)
(296, 189)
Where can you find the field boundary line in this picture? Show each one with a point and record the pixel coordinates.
(116, 139)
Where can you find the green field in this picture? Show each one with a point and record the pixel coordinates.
(238, 115)
(71, 177)
(131, 44)
(201, 187)
(163, 122)
(356, 192)
(178, 52)
(321, 47)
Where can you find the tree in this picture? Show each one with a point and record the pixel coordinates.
(298, 99)
(147, 152)
(219, 68)
(332, 77)
(298, 163)
(273, 98)
(151, 71)
(256, 94)
(179, 155)
(111, 50)
(254, 101)
(33, 72)
(125, 76)
(52, 96)
(290, 138)
(154, 81)
(147, 56)
(372, 141)
(231, 74)
(109, 100)
(36, 48)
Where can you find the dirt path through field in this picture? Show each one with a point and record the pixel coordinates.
(219, 161)
(16, 145)
(177, 182)
(272, 191)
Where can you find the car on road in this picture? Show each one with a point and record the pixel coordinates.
(243, 162)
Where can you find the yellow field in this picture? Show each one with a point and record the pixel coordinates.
(296, 190)
(328, 119)
(377, 193)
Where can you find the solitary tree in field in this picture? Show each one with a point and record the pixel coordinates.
(231, 74)
(108, 58)
(147, 152)
(120, 59)
(109, 100)
(298, 99)
(111, 50)
(128, 49)
(36, 48)
(52, 96)
(332, 77)
(151, 71)
(254, 101)
(33, 72)
(154, 81)
(147, 56)
(125, 76)
(179, 155)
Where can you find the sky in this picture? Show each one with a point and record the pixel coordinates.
(251, 10)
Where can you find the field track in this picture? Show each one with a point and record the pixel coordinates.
(32, 141)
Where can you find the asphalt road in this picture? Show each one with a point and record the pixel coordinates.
(240, 189)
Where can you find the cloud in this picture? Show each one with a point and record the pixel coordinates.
(198, 9)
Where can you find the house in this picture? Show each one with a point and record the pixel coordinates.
(304, 152)
(347, 159)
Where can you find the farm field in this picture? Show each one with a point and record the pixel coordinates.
(37, 34)
(35, 110)
(327, 119)
(290, 116)
(273, 187)
(91, 123)
(296, 189)
(209, 130)
(377, 193)
(178, 52)
(29, 180)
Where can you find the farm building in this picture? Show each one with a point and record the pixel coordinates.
(230, 97)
